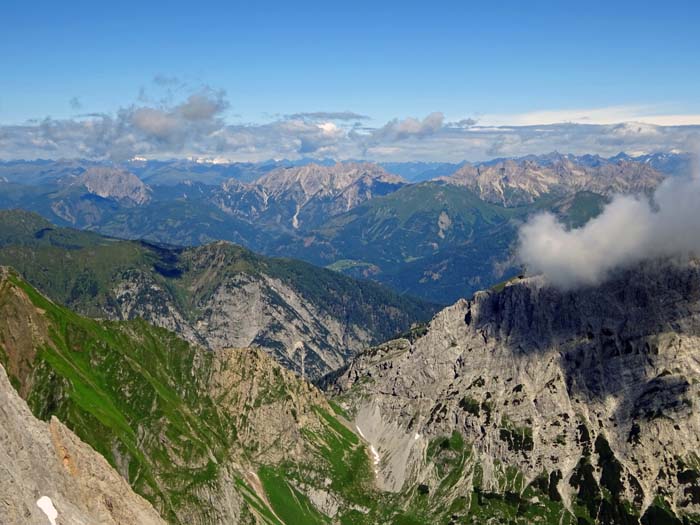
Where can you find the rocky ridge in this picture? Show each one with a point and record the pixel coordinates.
(303, 196)
(519, 182)
(314, 180)
(218, 295)
(591, 395)
(112, 183)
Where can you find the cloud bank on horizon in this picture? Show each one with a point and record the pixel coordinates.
(629, 230)
(197, 126)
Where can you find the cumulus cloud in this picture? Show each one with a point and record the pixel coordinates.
(154, 122)
(463, 123)
(396, 129)
(203, 106)
(182, 121)
(628, 231)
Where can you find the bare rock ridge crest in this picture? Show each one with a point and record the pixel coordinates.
(595, 389)
(513, 183)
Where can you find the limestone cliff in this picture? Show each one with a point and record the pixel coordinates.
(591, 395)
(50, 476)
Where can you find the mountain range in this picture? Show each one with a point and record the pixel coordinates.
(438, 239)
(207, 384)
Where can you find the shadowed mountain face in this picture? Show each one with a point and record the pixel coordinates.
(590, 395)
(217, 295)
(440, 240)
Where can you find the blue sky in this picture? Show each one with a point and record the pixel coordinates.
(515, 63)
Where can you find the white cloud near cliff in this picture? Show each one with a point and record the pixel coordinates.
(628, 231)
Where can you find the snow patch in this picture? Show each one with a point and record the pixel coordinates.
(375, 458)
(375, 455)
(295, 219)
(46, 505)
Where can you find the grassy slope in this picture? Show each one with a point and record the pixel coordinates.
(140, 396)
(134, 393)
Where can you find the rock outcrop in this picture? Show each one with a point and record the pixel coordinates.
(595, 391)
(305, 196)
(48, 475)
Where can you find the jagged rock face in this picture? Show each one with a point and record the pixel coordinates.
(305, 196)
(597, 388)
(111, 183)
(314, 180)
(244, 311)
(241, 379)
(234, 310)
(513, 183)
(87, 198)
(46, 460)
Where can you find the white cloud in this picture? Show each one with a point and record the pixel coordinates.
(196, 126)
(329, 128)
(396, 129)
(629, 230)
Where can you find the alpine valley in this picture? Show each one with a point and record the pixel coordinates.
(349, 263)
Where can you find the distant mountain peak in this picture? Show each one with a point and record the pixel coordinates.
(513, 182)
(114, 183)
(307, 194)
(316, 179)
